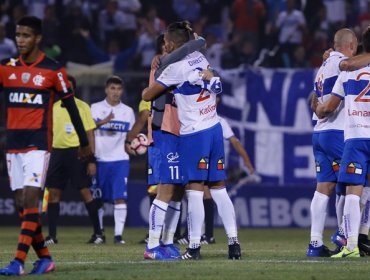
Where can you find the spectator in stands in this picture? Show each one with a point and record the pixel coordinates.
(51, 33)
(247, 16)
(291, 25)
(187, 9)
(120, 58)
(111, 22)
(17, 12)
(336, 13)
(130, 9)
(73, 44)
(7, 46)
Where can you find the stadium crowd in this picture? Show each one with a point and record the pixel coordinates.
(271, 33)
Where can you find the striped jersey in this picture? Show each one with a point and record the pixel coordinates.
(196, 107)
(29, 93)
(324, 83)
(354, 88)
(110, 137)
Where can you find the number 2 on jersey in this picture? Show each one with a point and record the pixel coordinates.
(360, 97)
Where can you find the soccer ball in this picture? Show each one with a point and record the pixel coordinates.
(140, 144)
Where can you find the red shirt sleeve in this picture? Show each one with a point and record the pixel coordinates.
(62, 85)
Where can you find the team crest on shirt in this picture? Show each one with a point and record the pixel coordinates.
(220, 164)
(38, 80)
(354, 168)
(335, 165)
(318, 167)
(12, 62)
(35, 177)
(25, 77)
(203, 164)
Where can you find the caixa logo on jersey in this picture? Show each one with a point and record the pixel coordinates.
(22, 97)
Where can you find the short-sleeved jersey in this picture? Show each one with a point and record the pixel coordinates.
(354, 88)
(227, 132)
(324, 83)
(64, 133)
(110, 137)
(196, 107)
(29, 93)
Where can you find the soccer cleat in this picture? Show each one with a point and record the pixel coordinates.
(172, 251)
(118, 240)
(15, 268)
(345, 253)
(234, 251)
(191, 254)
(49, 240)
(96, 239)
(183, 240)
(42, 266)
(204, 240)
(321, 251)
(364, 244)
(338, 239)
(157, 253)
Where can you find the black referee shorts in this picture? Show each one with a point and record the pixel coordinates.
(64, 168)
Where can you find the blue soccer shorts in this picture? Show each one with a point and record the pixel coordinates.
(202, 155)
(164, 159)
(355, 162)
(112, 179)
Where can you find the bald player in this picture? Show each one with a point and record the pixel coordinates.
(328, 140)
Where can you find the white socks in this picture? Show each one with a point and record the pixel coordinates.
(339, 205)
(352, 217)
(365, 216)
(319, 205)
(120, 214)
(170, 222)
(226, 211)
(195, 217)
(157, 215)
(101, 215)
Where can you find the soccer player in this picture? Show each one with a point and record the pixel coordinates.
(200, 133)
(65, 166)
(163, 164)
(29, 83)
(113, 119)
(353, 88)
(207, 237)
(328, 142)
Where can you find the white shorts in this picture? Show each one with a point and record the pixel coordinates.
(27, 169)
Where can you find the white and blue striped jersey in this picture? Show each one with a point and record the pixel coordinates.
(110, 137)
(354, 88)
(196, 107)
(324, 83)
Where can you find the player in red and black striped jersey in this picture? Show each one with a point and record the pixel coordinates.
(29, 84)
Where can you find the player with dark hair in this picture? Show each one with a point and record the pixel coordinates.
(113, 120)
(163, 162)
(29, 84)
(65, 166)
(201, 133)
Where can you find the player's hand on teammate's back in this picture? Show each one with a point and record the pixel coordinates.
(206, 74)
(85, 153)
(326, 54)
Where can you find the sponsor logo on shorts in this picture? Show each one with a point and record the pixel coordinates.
(335, 165)
(318, 167)
(220, 164)
(354, 168)
(203, 164)
(173, 157)
(35, 177)
(150, 170)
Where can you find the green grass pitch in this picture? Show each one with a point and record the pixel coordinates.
(267, 254)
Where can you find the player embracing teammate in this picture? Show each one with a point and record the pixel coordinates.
(195, 90)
